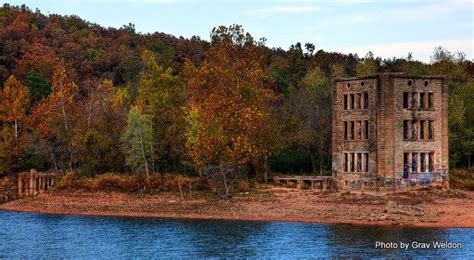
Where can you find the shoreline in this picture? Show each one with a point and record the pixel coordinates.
(212, 218)
(306, 207)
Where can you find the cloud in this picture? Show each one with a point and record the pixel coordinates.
(421, 50)
(285, 9)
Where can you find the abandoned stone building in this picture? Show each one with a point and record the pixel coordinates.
(33, 183)
(389, 130)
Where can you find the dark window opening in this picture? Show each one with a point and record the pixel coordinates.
(409, 83)
(345, 130)
(352, 101)
(422, 162)
(366, 168)
(405, 100)
(366, 100)
(346, 157)
(352, 162)
(359, 162)
(414, 162)
(430, 162)
(422, 129)
(352, 130)
(422, 100)
(366, 128)
(430, 130)
(345, 102)
(426, 83)
(359, 130)
(406, 165)
(405, 160)
(405, 129)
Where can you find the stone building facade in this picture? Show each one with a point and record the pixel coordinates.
(389, 130)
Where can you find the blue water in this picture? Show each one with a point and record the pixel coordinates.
(55, 236)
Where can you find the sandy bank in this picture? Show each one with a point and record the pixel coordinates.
(429, 208)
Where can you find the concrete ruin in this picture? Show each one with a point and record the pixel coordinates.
(33, 183)
(389, 130)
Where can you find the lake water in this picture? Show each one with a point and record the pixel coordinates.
(52, 236)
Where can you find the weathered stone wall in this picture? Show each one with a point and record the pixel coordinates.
(386, 114)
(33, 183)
(437, 114)
(340, 115)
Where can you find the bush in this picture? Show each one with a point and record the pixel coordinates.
(461, 179)
(128, 183)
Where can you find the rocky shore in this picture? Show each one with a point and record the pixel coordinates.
(424, 208)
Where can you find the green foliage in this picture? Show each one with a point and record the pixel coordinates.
(290, 161)
(38, 86)
(368, 65)
(34, 158)
(161, 98)
(138, 141)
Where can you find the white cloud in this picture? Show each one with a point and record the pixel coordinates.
(421, 50)
(286, 9)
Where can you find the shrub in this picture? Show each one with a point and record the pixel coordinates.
(129, 183)
(461, 179)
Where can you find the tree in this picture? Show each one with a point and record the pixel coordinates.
(55, 118)
(161, 97)
(38, 86)
(137, 141)
(14, 102)
(100, 124)
(308, 114)
(368, 65)
(227, 112)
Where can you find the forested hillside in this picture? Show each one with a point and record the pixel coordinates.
(79, 97)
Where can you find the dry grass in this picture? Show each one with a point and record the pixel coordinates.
(129, 183)
(461, 179)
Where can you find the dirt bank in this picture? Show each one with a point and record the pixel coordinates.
(427, 208)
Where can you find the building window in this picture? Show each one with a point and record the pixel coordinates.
(414, 101)
(345, 130)
(422, 100)
(405, 100)
(346, 157)
(359, 130)
(405, 129)
(359, 162)
(414, 162)
(422, 162)
(366, 100)
(413, 129)
(430, 162)
(345, 102)
(352, 162)
(406, 164)
(352, 130)
(352, 101)
(366, 162)
(430, 130)
(359, 101)
(366, 128)
(430, 101)
(422, 129)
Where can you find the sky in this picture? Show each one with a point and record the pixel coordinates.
(387, 28)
